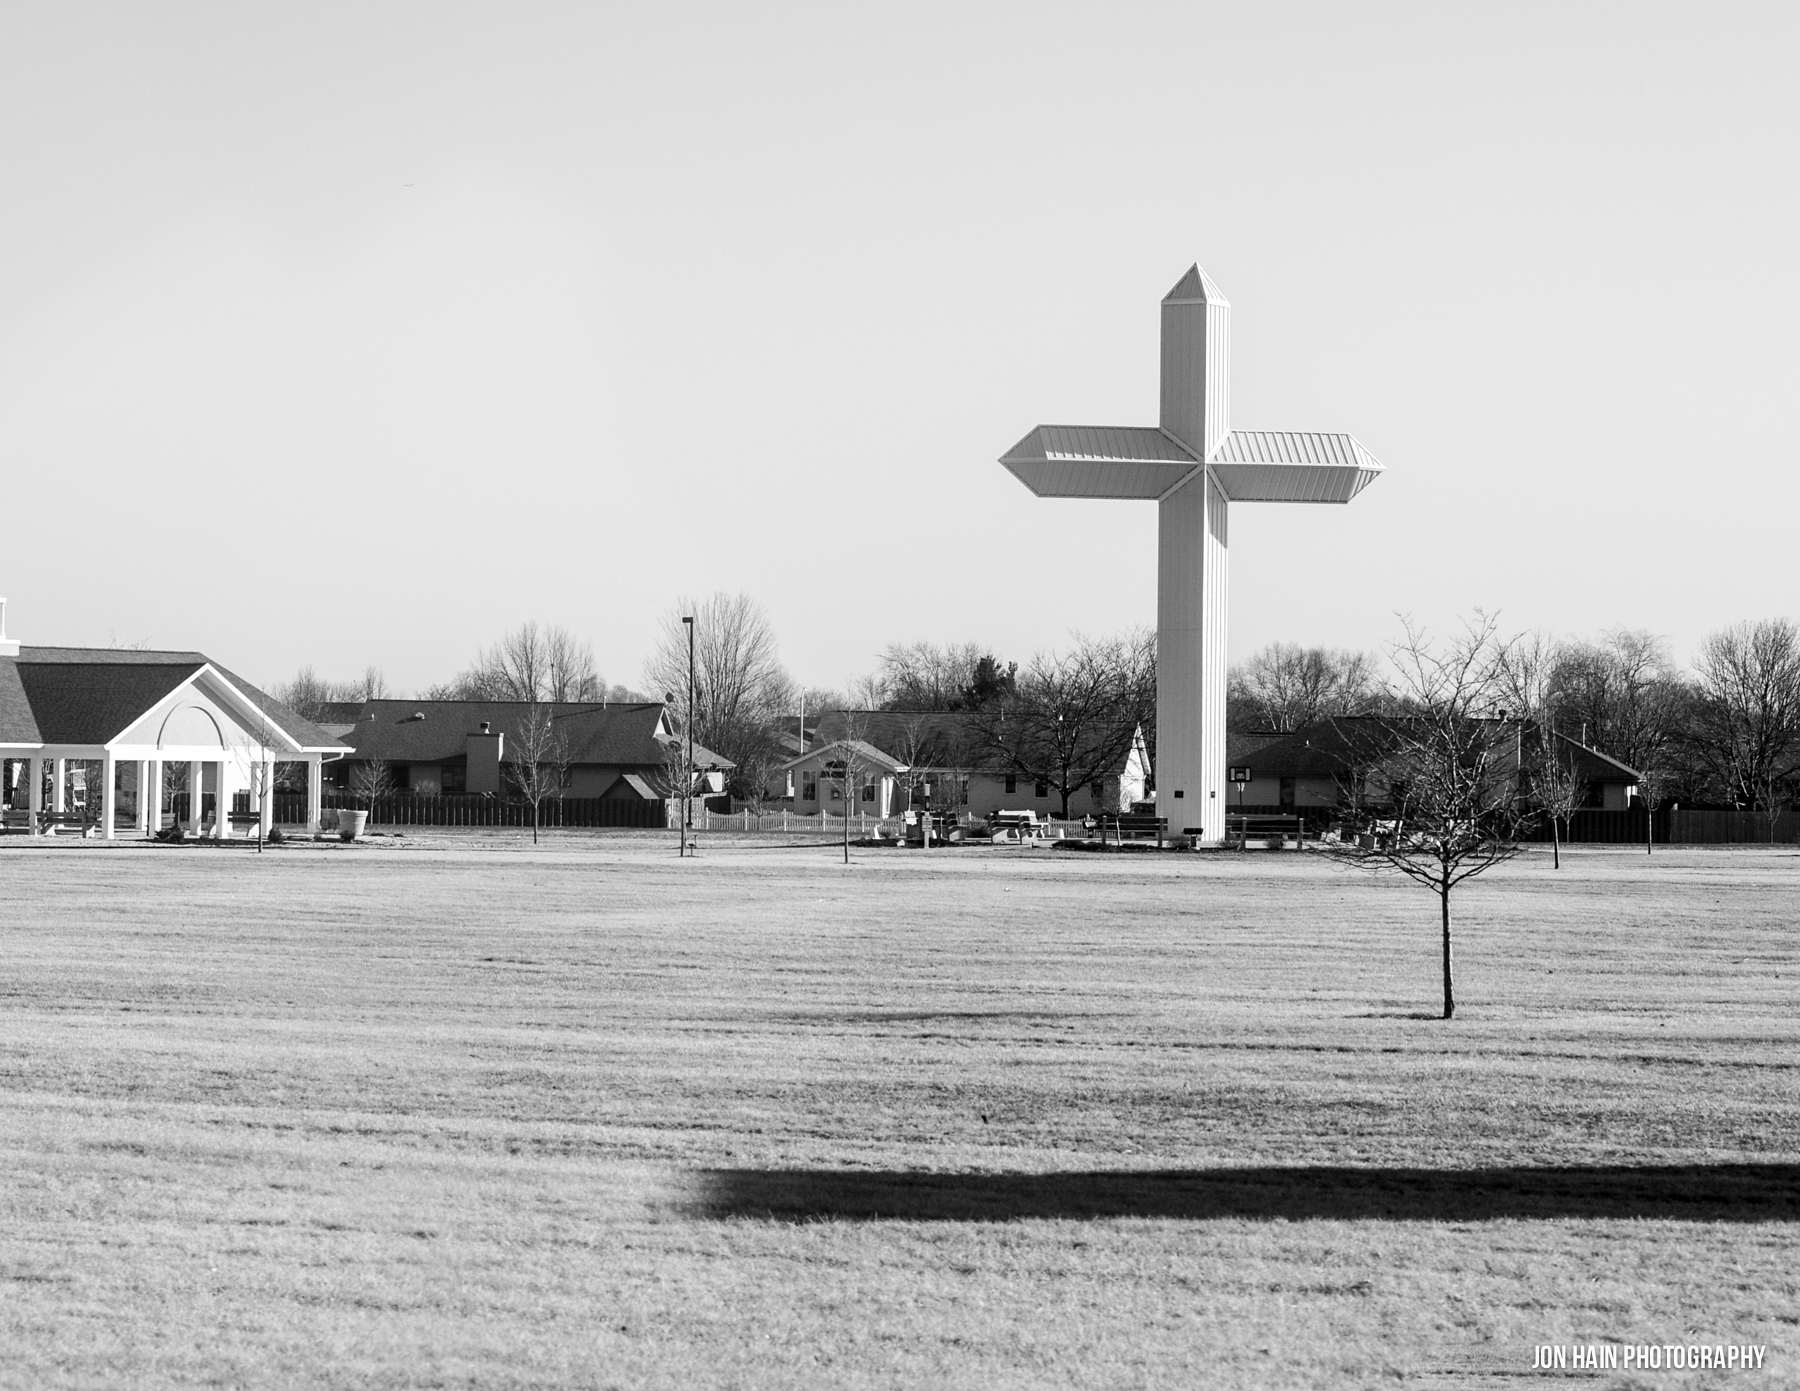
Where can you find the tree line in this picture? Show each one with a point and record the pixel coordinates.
(1723, 732)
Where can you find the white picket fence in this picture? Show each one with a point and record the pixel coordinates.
(821, 824)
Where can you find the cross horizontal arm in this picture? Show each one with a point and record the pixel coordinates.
(1100, 461)
(1138, 462)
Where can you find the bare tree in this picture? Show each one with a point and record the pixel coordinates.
(740, 687)
(308, 695)
(538, 759)
(847, 765)
(681, 784)
(1623, 694)
(1527, 672)
(370, 779)
(1747, 719)
(1449, 771)
(529, 663)
(1072, 719)
(1285, 687)
(1557, 788)
(263, 739)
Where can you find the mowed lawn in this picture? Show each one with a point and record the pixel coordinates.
(455, 1112)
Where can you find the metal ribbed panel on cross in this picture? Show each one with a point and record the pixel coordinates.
(1194, 465)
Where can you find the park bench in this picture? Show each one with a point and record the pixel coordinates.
(50, 822)
(1134, 825)
(247, 821)
(1249, 832)
(16, 819)
(1013, 827)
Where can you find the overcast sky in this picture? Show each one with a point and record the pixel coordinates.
(351, 334)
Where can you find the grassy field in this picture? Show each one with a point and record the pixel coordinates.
(453, 1112)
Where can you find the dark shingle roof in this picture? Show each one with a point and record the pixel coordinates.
(1331, 747)
(616, 735)
(90, 695)
(301, 730)
(17, 724)
(90, 703)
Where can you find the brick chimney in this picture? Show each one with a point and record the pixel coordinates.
(485, 751)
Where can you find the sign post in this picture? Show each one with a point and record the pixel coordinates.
(1239, 774)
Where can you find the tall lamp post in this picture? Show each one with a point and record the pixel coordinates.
(687, 799)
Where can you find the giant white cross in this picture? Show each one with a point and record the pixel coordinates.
(1194, 465)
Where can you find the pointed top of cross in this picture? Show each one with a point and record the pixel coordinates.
(1196, 287)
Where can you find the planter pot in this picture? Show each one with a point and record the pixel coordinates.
(351, 823)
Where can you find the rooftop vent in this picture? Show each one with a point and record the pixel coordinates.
(416, 715)
(484, 726)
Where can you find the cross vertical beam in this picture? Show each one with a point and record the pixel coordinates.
(1193, 464)
(1191, 590)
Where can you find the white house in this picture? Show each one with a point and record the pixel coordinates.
(135, 714)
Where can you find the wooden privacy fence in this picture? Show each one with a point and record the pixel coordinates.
(1674, 826)
(406, 809)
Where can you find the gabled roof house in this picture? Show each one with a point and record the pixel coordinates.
(134, 713)
(1308, 767)
(445, 747)
(939, 749)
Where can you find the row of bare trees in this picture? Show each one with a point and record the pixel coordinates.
(1725, 732)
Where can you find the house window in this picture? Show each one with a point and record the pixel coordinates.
(809, 788)
(1012, 782)
(454, 777)
(868, 792)
(1042, 789)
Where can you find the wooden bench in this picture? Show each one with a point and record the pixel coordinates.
(50, 822)
(1132, 825)
(1265, 832)
(16, 819)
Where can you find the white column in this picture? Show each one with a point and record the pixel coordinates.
(265, 780)
(109, 796)
(196, 785)
(1191, 586)
(57, 803)
(314, 793)
(222, 798)
(140, 773)
(37, 792)
(153, 797)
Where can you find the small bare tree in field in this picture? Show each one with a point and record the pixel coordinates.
(1448, 770)
(847, 765)
(1557, 790)
(539, 760)
(681, 783)
(258, 753)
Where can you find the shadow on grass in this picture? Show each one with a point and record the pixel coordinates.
(1694, 1193)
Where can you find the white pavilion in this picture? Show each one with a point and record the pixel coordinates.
(1193, 465)
(137, 713)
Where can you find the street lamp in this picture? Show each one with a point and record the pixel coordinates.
(687, 801)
